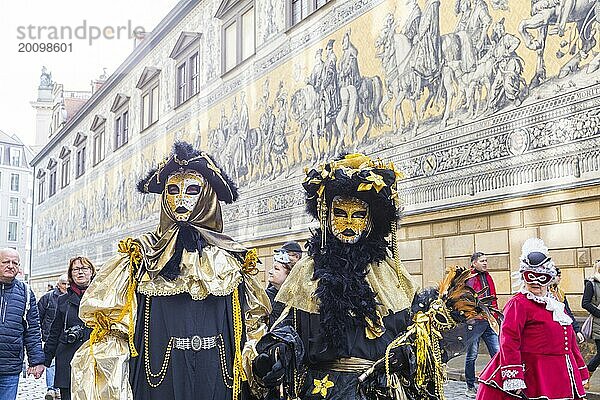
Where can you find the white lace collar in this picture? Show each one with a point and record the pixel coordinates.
(552, 304)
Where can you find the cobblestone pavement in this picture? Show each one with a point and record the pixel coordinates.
(455, 390)
(31, 388)
(35, 389)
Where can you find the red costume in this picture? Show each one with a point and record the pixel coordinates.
(482, 280)
(536, 349)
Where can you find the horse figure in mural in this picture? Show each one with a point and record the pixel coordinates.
(305, 111)
(370, 104)
(254, 145)
(550, 19)
(409, 70)
(349, 80)
(393, 49)
(361, 96)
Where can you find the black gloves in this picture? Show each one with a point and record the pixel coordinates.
(403, 360)
(269, 367)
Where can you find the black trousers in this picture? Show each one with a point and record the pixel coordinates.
(595, 362)
(65, 394)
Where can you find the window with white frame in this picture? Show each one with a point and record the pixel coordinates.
(186, 53)
(65, 168)
(13, 207)
(98, 129)
(14, 182)
(238, 32)
(65, 172)
(80, 161)
(150, 107)
(52, 182)
(15, 157)
(80, 144)
(148, 84)
(120, 108)
(181, 83)
(1, 154)
(12, 231)
(41, 187)
(99, 146)
(297, 10)
(187, 78)
(121, 128)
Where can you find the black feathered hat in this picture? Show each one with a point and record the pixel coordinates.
(356, 175)
(185, 157)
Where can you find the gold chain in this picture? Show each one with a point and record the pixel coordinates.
(238, 372)
(224, 371)
(165, 365)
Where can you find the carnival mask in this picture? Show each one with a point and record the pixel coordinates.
(349, 219)
(182, 191)
(541, 278)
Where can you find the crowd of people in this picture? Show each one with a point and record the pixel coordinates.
(49, 331)
(178, 313)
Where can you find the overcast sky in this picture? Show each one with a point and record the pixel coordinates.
(20, 71)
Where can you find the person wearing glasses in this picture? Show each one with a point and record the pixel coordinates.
(539, 357)
(47, 310)
(19, 327)
(68, 332)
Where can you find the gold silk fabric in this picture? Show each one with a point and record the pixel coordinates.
(216, 272)
(395, 291)
(104, 374)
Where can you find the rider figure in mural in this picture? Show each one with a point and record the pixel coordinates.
(426, 54)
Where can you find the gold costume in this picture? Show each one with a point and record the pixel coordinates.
(100, 368)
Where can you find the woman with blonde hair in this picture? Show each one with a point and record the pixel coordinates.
(589, 302)
(68, 332)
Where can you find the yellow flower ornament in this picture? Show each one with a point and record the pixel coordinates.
(321, 386)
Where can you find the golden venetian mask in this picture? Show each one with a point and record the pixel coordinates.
(182, 191)
(349, 219)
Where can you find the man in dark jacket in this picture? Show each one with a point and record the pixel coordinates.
(47, 310)
(19, 327)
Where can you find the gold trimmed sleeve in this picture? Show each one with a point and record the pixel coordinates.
(256, 312)
(100, 368)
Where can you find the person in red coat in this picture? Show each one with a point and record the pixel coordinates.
(539, 357)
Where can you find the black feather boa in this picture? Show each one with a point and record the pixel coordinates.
(187, 238)
(346, 298)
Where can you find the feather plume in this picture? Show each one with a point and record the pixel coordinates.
(463, 301)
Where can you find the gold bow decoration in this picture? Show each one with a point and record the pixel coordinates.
(322, 385)
(424, 335)
(351, 165)
(376, 182)
(249, 266)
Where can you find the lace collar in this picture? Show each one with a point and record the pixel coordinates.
(552, 304)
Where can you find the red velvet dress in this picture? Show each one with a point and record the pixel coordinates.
(538, 350)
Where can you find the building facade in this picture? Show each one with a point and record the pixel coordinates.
(16, 187)
(494, 122)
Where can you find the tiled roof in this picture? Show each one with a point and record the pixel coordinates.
(73, 105)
